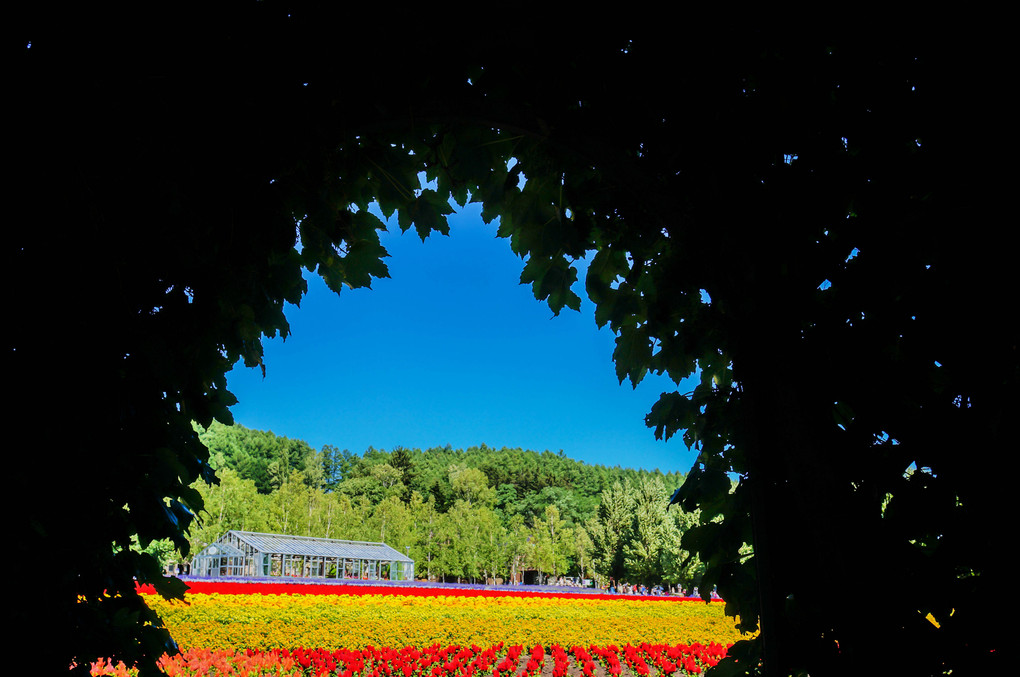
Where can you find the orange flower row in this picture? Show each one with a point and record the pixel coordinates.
(435, 661)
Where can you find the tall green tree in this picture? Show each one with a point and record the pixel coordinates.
(471, 486)
(611, 530)
(336, 465)
(581, 550)
(553, 541)
(380, 481)
(392, 523)
(678, 566)
(518, 544)
(427, 524)
(288, 507)
(643, 553)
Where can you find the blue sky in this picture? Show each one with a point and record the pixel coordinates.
(452, 349)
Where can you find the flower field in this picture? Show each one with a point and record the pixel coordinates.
(275, 629)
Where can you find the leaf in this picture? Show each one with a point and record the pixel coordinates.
(607, 266)
(428, 213)
(396, 179)
(632, 354)
(671, 413)
(552, 279)
(705, 490)
(170, 587)
(364, 261)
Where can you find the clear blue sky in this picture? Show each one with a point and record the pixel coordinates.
(452, 349)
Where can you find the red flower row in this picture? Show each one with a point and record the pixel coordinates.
(433, 661)
(436, 661)
(457, 661)
(237, 588)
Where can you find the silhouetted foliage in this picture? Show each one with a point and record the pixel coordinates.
(810, 225)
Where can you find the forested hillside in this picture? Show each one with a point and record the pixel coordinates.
(461, 513)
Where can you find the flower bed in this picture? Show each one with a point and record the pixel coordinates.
(353, 621)
(362, 631)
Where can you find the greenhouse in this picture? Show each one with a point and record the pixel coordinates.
(255, 555)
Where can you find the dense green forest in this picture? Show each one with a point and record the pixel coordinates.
(462, 514)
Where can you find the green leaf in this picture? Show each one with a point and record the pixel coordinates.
(428, 213)
(671, 413)
(395, 178)
(632, 354)
(170, 587)
(552, 279)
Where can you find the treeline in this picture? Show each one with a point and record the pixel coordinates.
(461, 514)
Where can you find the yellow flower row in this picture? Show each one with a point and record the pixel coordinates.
(219, 621)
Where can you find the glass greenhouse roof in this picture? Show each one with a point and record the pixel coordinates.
(318, 547)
